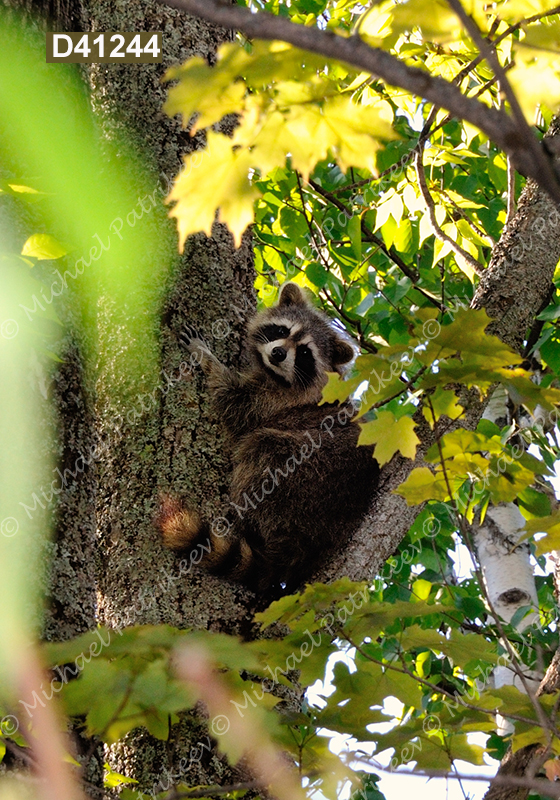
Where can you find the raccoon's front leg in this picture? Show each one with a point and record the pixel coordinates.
(230, 396)
(218, 547)
(204, 357)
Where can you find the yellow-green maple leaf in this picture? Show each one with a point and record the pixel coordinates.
(337, 390)
(442, 402)
(390, 436)
(210, 92)
(467, 335)
(422, 484)
(536, 82)
(549, 525)
(217, 178)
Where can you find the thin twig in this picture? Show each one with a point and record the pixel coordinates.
(368, 233)
(370, 236)
(438, 233)
(511, 205)
(483, 234)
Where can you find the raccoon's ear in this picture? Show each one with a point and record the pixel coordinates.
(342, 351)
(291, 295)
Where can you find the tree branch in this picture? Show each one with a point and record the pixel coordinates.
(527, 154)
(523, 262)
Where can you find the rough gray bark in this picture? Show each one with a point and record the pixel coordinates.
(108, 565)
(173, 445)
(519, 276)
(516, 764)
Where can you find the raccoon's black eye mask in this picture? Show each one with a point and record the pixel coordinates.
(305, 369)
(270, 333)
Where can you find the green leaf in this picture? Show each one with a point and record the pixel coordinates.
(44, 247)
(442, 402)
(549, 525)
(113, 779)
(459, 647)
(98, 693)
(150, 688)
(461, 748)
(212, 93)
(157, 725)
(368, 790)
(436, 20)
(461, 441)
(421, 589)
(467, 335)
(372, 684)
(337, 390)
(355, 234)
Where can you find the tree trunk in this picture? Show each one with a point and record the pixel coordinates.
(109, 566)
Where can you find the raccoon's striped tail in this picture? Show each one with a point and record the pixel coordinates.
(184, 529)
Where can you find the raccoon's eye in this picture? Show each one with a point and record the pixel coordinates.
(304, 351)
(270, 333)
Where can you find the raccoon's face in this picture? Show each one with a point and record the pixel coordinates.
(288, 352)
(296, 344)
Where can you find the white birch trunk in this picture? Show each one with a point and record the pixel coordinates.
(507, 571)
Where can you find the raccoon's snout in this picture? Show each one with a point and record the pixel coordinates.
(277, 355)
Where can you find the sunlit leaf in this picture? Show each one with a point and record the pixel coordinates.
(42, 246)
(442, 402)
(422, 484)
(217, 178)
(390, 436)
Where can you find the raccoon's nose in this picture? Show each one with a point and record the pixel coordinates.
(278, 354)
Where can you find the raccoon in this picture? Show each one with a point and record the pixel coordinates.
(300, 485)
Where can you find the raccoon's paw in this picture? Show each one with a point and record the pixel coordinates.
(190, 336)
(201, 355)
(179, 526)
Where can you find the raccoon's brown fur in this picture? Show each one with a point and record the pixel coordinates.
(300, 485)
